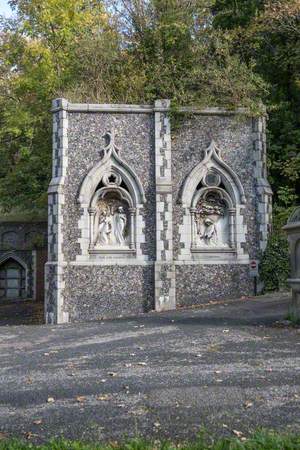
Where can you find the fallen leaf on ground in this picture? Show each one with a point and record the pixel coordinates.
(239, 434)
(103, 397)
(248, 404)
(50, 400)
(30, 435)
(80, 398)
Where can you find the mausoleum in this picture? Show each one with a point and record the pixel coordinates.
(146, 213)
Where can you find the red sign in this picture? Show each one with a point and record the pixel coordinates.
(253, 266)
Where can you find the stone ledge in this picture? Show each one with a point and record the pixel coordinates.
(63, 104)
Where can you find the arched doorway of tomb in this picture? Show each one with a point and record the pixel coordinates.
(12, 280)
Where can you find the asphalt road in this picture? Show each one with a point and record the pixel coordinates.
(225, 367)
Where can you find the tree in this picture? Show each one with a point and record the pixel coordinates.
(36, 54)
(268, 34)
(132, 51)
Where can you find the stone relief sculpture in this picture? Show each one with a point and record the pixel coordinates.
(115, 203)
(110, 224)
(213, 194)
(210, 219)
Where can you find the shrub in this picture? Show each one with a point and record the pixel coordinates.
(275, 263)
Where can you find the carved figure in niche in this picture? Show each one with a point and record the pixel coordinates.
(210, 216)
(110, 223)
(105, 228)
(120, 221)
(209, 235)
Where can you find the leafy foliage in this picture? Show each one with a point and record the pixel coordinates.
(268, 34)
(132, 51)
(275, 268)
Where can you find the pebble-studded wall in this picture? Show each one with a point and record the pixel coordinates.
(144, 215)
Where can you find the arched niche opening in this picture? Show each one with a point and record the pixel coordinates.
(12, 279)
(111, 198)
(212, 215)
(212, 199)
(112, 216)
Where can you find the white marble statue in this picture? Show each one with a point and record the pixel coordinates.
(210, 235)
(110, 226)
(105, 229)
(119, 221)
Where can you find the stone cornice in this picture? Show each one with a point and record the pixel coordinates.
(63, 104)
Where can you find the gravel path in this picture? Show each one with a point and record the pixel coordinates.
(225, 366)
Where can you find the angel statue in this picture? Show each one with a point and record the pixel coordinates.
(104, 229)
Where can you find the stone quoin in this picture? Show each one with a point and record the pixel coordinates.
(144, 215)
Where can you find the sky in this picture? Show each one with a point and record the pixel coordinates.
(4, 8)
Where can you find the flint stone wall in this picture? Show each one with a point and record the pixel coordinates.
(162, 159)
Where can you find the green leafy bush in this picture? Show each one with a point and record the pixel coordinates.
(275, 265)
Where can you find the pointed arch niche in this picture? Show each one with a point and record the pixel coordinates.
(13, 277)
(111, 199)
(213, 200)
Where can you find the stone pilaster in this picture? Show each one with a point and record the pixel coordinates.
(54, 270)
(164, 265)
(263, 189)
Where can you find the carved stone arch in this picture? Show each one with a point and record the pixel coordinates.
(212, 161)
(100, 193)
(111, 163)
(12, 256)
(212, 198)
(111, 197)
(223, 194)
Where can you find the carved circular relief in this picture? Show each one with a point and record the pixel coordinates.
(212, 179)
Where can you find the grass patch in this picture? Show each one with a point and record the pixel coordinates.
(261, 440)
